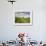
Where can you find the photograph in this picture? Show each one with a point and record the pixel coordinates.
(23, 18)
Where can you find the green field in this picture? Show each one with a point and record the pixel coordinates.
(22, 20)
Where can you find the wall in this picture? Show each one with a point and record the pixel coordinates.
(9, 31)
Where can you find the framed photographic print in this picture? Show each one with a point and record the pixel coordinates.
(23, 18)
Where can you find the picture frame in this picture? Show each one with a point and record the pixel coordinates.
(23, 18)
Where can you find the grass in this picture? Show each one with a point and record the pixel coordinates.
(22, 20)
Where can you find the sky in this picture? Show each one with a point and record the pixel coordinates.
(22, 14)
